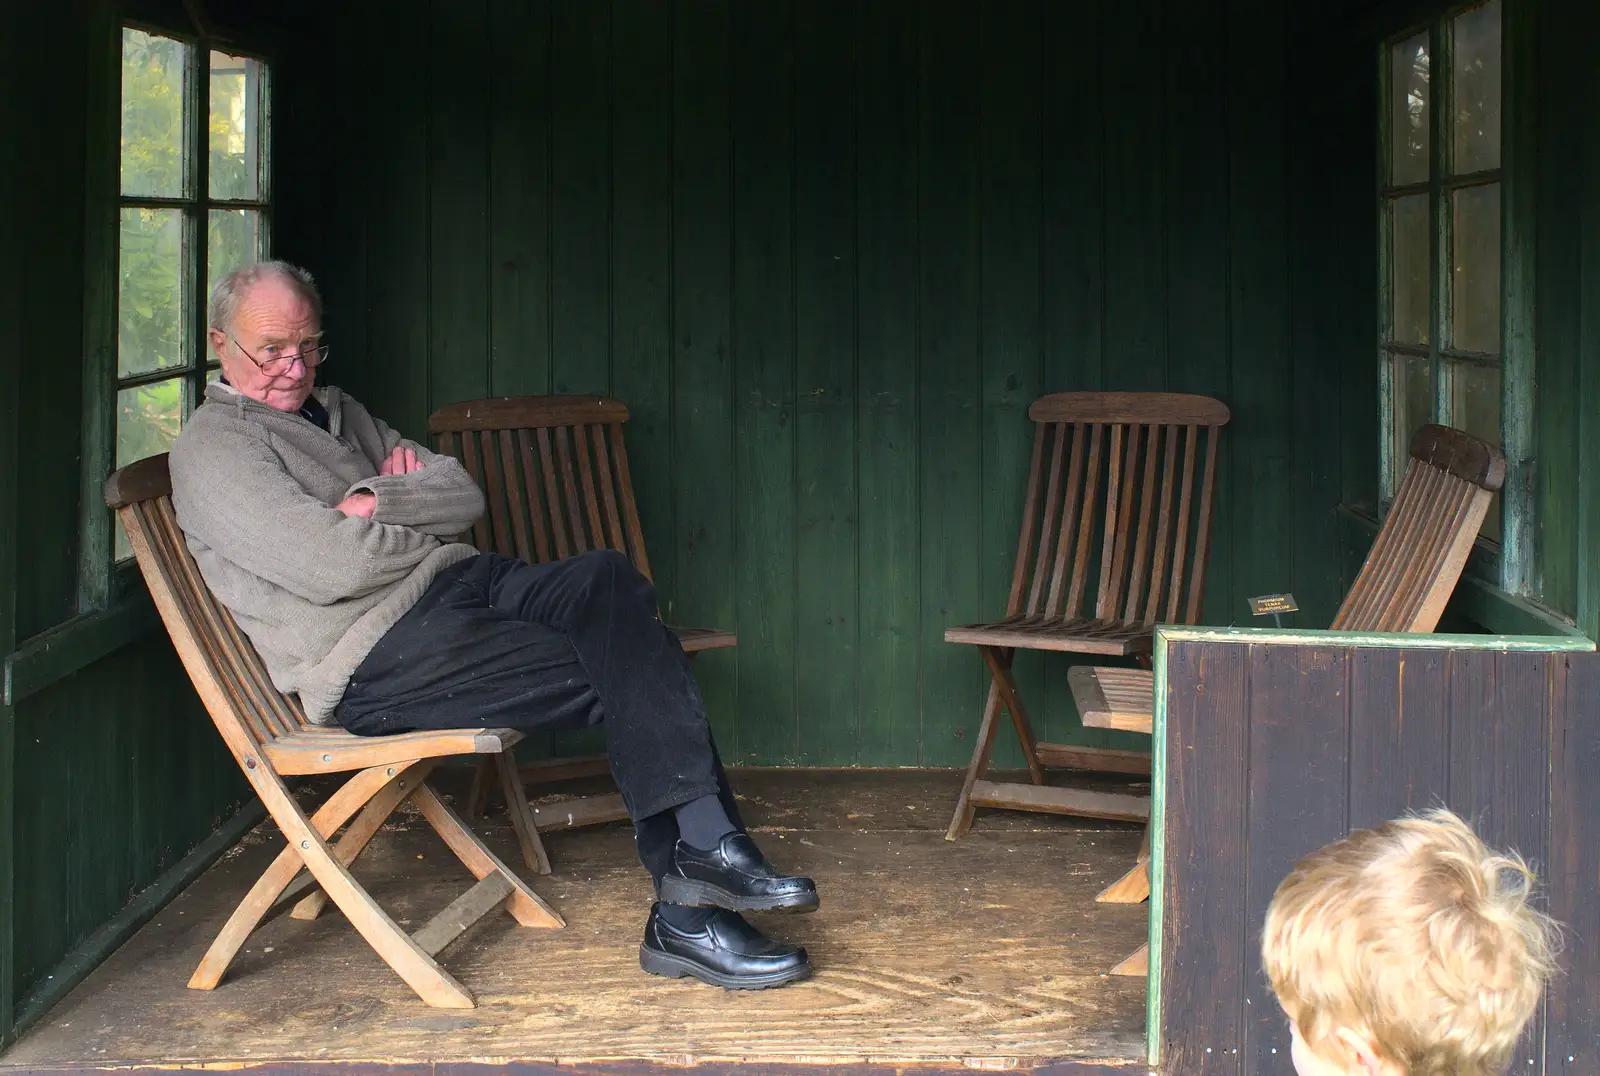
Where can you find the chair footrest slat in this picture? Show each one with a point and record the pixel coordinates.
(564, 769)
(464, 911)
(570, 814)
(1112, 698)
(1052, 800)
(1100, 759)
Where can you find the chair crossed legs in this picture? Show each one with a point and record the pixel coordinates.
(269, 738)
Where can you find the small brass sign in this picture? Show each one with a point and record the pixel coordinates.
(1273, 603)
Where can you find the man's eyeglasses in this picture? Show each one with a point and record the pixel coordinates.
(277, 359)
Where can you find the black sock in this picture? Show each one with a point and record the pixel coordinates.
(702, 823)
(682, 917)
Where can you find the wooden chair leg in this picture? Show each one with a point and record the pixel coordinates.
(483, 777)
(523, 823)
(999, 662)
(421, 972)
(961, 823)
(526, 906)
(354, 841)
(1135, 963)
(350, 798)
(1134, 886)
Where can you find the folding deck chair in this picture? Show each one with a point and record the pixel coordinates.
(554, 471)
(1126, 482)
(1403, 586)
(270, 739)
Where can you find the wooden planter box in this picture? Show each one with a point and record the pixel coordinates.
(1269, 744)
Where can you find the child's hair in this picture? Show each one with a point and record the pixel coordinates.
(1417, 935)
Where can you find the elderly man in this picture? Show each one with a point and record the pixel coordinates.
(332, 540)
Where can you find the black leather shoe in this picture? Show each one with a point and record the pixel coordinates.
(726, 952)
(735, 876)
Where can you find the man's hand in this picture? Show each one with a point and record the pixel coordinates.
(358, 504)
(401, 461)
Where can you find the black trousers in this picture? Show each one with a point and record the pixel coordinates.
(500, 643)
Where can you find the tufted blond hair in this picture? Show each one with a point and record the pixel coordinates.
(1416, 935)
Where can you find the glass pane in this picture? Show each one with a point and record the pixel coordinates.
(1475, 273)
(1410, 278)
(234, 130)
(1408, 111)
(1475, 407)
(148, 419)
(233, 238)
(149, 294)
(1476, 85)
(1413, 405)
(152, 115)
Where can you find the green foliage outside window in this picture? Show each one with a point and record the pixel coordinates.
(183, 223)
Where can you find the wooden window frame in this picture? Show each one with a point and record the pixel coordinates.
(1511, 560)
(103, 580)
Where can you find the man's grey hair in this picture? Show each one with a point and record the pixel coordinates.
(225, 297)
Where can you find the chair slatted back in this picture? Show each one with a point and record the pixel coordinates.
(554, 471)
(226, 670)
(1117, 513)
(1418, 555)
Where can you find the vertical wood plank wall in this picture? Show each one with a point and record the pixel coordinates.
(112, 775)
(828, 253)
(11, 272)
(1275, 750)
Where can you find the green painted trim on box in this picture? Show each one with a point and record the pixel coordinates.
(77, 965)
(1398, 640)
(1158, 849)
(62, 651)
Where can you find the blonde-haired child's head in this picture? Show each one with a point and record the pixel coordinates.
(1407, 949)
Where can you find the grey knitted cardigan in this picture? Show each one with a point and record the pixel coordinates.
(255, 490)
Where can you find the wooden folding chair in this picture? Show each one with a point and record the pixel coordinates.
(1403, 586)
(554, 471)
(270, 739)
(1137, 478)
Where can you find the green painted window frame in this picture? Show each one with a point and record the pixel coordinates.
(1510, 561)
(102, 580)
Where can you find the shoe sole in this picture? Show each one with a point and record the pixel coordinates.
(687, 891)
(674, 967)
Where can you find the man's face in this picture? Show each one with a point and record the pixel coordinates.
(273, 320)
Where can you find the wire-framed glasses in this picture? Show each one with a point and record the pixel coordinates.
(277, 359)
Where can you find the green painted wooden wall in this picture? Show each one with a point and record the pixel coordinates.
(10, 448)
(110, 776)
(828, 253)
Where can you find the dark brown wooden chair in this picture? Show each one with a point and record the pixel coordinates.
(1403, 586)
(1115, 534)
(554, 470)
(269, 738)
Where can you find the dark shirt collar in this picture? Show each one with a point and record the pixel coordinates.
(312, 410)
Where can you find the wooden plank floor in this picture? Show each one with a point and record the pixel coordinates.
(987, 951)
